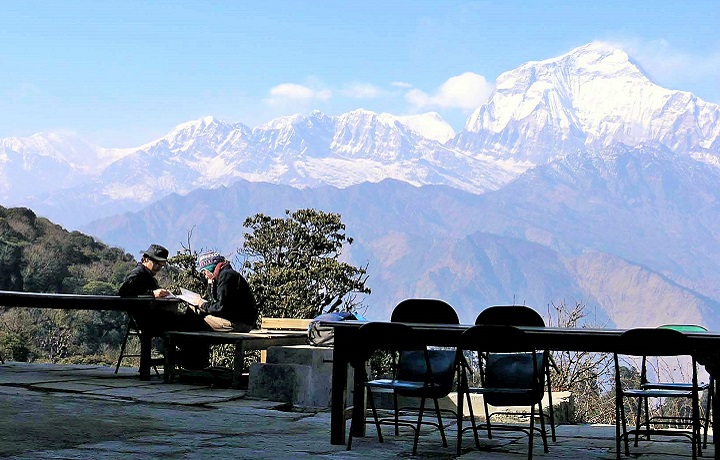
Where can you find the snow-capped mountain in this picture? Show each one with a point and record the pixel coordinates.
(302, 151)
(580, 177)
(48, 162)
(589, 98)
(593, 96)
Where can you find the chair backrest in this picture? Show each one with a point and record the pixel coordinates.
(495, 339)
(424, 311)
(511, 362)
(396, 338)
(374, 336)
(412, 364)
(511, 315)
(654, 342)
(684, 327)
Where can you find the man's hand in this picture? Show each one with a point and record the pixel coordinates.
(161, 293)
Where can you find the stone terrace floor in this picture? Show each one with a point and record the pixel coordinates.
(89, 412)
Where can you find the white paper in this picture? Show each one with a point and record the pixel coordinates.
(193, 298)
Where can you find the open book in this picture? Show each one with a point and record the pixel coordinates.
(193, 298)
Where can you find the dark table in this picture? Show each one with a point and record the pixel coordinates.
(706, 344)
(93, 302)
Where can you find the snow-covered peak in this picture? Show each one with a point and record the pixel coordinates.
(280, 122)
(592, 96)
(195, 128)
(430, 125)
(600, 58)
(64, 147)
(196, 135)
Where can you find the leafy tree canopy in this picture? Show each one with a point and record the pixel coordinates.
(294, 264)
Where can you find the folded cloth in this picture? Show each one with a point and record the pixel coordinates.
(218, 324)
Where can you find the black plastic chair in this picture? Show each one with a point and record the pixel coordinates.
(444, 361)
(521, 315)
(662, 342)
(664, 385)
(397, 338)
(512, 375)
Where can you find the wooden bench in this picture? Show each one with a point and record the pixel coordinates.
(272, 332)
(282, 324)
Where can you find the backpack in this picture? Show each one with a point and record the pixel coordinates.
(324, 336)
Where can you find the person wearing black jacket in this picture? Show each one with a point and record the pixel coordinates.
(141, 281)
(230, 302)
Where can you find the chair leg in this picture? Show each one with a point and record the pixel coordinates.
(696, 439)
(551, 410)
(440, 422)
(472, 421)
(647, 417)
(619, 412)
(487, 418)
(122, 348)
(419, 424)
(350, 435)
(543, 432)
(371, 401)
(397, 415)
(459, 413)
(617, 429)
(464, 395)
(708, 407)
(638, 419)
(531, 432)
(624, 427)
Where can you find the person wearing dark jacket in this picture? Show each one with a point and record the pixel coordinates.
(141, 280)
(230, 302)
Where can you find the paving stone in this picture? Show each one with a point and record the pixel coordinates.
(88, 412)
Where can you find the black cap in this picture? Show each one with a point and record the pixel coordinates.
(157, 253)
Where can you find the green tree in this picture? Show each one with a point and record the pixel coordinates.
(38, 255)
(294, 264)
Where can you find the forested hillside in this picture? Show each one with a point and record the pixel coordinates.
(37, 255)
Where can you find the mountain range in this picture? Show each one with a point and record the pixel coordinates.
(580, 180)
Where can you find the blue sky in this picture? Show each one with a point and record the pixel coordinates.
(123, 73)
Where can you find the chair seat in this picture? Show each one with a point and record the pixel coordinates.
(503, 391)
(674, 386)
(400, 385)
(658, 393)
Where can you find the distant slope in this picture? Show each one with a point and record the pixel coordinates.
(470, 250)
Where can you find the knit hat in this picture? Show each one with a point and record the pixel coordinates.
(208, 260)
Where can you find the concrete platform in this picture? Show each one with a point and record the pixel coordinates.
(88, 412)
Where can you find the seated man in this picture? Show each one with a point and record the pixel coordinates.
(230, 304)
(141, 281)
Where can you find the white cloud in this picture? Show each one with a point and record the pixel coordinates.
(361, 91)
(466, 91)
(401, 84)
(292, 92)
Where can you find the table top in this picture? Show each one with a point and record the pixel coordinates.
(79, 301)
(255, 334)
(552, 338)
